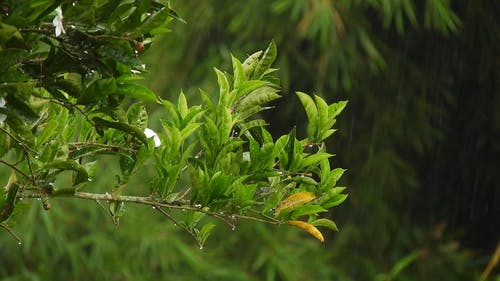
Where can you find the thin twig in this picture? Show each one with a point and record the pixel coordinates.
(15, 168)
(495, 259)
(224, 219)
(170, 217)
(101, 145)
(30, 167)
(26, 150)
(11, 233)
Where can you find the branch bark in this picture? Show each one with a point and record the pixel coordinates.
(149, 201)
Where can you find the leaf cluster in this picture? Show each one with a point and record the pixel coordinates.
(71, 100)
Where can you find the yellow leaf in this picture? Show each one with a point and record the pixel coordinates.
(311, 229)
(295, 200)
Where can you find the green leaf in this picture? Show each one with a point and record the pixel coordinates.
(304, 180)
(18, 127)
(137, 115)
(250, 63)
(127, 164)
(315, 158)
(72, 86)
(156, 23)
(323, 114)
(7, 32)
(238, 72)
(266, 61)
(326, 134)
(335, 109)
(10, 57)
(247, 87)
(182, 105)
(189, 130)
(260, 96)
(325, 223)
(204, 232)
(19, 106)
(225, 121)
(9, 200)
(131, 130)
(64, 165)
(337, 173)
(334, 201)
(136, 91)
(223, 87)
(308, 209)
(311, 111)
(207, 101)
(48, 131)
(98, 90)
(195, 113)
(172, 111)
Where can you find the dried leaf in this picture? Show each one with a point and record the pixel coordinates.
(295, 200)
(311, 229)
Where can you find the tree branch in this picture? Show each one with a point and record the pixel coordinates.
(149, 201)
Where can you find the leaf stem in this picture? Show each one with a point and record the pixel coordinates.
(11, 232)
(15, 168)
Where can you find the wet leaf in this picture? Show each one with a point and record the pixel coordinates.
(294, 201)
(311, 229)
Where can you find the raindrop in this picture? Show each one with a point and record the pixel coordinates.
(19, 243)
(85, 52)
(20, 199)
(51, 184)
(148, 14)
(36, 156)
(233, 228)
(73, 4)
(89, 179)
(72, 26)
(233, 217)
(154, 208)
(136, 52)
(201, 247)
(197, 205)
